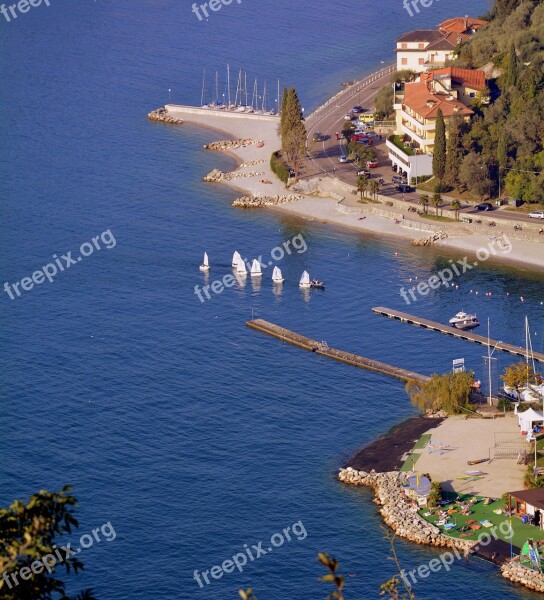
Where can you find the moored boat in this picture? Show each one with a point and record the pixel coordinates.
(463, 320)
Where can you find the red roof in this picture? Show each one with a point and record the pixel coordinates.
(472, 78)
(419, 98)
(461, 25)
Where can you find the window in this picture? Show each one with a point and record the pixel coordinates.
(404, 46)
(421, 46)
(404, 61)
(421, 61)
(472, 94)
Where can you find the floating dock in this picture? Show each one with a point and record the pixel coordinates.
(453, 331)
(321, 348)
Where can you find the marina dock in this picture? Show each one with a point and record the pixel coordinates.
(453, 331)
(321, 348)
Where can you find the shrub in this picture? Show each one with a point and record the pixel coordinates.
(436, 494)
(278, 167)
(504, 404)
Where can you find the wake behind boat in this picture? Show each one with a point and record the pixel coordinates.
(463, 320)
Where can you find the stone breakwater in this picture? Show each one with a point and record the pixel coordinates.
(262, 201)
(232, 144)
(429, 241)
(161, 114)
(216, 175)
(397, 510)
(516, 573)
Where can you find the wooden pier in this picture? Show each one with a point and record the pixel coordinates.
(453, 331)
(323, 349)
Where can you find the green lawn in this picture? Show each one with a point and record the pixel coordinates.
(410, 461)
(482, 512)
(423, 441)
(437, 218)
(395, 139)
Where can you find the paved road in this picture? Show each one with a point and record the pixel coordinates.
(329, 119)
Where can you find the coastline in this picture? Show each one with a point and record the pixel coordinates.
(324, 208)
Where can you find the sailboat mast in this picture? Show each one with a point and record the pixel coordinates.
(264, 97)
(216, 88)
(245, 84)
(203, 84)
(278, 99)
(254, 97)
(228, 85)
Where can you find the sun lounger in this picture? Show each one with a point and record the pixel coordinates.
(486, 523)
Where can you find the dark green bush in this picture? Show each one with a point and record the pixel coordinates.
(278, 167)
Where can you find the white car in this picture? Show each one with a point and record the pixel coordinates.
(537, 214)
(347, 117)
(342, 159)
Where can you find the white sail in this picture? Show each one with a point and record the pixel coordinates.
(236, 258)
(241, 268)
(305, 280)
(276, 275)
(256, 268)
(205, 266)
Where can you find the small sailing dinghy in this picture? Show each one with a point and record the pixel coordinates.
(317, 285)
(305, 280)
(236, 258)
(277, 276)
(256, 268)
(241, 268)
(205, 266)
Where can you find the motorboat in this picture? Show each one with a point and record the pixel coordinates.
(317, 285)
(463, 320)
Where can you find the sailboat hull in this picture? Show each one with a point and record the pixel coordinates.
(204, 268)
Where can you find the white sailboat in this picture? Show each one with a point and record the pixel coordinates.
(256, 268)
(205, 266)
(305, 280)
(236, 258)
(241, 268)
(277, 277)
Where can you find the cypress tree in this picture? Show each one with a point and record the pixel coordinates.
(511, 75)
(439, 154)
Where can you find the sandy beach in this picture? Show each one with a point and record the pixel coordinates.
(340, 208)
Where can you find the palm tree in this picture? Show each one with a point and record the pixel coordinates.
(436, 200)
(362, 185)
(374, 188)
(424, 201)
(456, 206)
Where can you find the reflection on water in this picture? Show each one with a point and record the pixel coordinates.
(256, 283)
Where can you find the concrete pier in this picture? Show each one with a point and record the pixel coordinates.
(453, 331)
(322, 349)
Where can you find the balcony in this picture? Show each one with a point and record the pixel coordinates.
(396, 141)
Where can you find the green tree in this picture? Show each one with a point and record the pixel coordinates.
(449, 392)
(28, 533)
(456, 206)
(374, 188)
(454, 154)
(293, 131)
(436, 200)
(511, 72)
(332, 576)
(439, 153)
(384, 103)
(362, 185)
(474, 174)
(424, 201)
(518, 375)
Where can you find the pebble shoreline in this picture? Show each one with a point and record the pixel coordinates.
(403, 519)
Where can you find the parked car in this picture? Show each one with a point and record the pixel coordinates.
(372, 164)
(364, 142)
(484, 206)
(536, 214)
(362, 172)
(291, 173)
(398, 179)
(358, 136)
(317, 136)
(357, 109)
(404, 188)
(343, 159)
(348, 117)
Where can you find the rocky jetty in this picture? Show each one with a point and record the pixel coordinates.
(242, 175)
(232, 144)
(252, 163)
(161, 114)
(397, 510)
(214, 176)
(429, 241)
(516, 573)
(262, 201)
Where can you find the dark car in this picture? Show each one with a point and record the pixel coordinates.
(398, 179)
(291, 173)
(484, 206)
(404, 188)
(357, 109)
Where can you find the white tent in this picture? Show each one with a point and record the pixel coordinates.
(528, 417)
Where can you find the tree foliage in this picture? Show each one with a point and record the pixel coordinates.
(292, 130)
(449, 392)
(439, 153)
(29, 532)
(518, 375)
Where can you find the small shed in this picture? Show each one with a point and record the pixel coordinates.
(530, 503)
(418, 489)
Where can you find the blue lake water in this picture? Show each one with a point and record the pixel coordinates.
(192, 434)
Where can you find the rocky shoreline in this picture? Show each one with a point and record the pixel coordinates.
(262, 201)
(233, 144)
(399, 514)
(161, 114)
(430, 241)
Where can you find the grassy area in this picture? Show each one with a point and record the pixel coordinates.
(481, 512)
(396, 139)
(437, 218)
(423, 441)
(465, 198)
(410, 461)
(524, 208)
